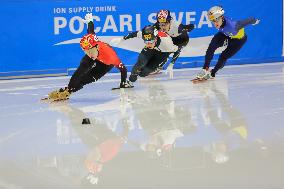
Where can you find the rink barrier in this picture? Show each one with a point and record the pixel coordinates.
(54, 43)
(33, 74)
(69, 71)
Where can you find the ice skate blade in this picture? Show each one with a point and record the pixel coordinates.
(46, 99)
(115, 88)
(196, 80)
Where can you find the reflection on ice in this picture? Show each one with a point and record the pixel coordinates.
(161, 134)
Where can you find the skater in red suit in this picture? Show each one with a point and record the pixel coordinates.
(100, 58)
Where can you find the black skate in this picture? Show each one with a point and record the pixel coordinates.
(126, 84)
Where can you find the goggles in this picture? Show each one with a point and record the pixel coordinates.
(216, 19)
(162, 20)
(150, 41)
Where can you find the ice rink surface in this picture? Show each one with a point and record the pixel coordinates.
(226, 133)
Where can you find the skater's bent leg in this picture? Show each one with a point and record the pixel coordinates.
(158, 60)
(145, 71)
(216, 42)
(144, 57)
(84, 68)
(234, 46)
(96, 72)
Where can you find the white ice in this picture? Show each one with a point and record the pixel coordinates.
(164, 133)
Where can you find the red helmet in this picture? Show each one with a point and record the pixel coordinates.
(88, 41)
(164, 16)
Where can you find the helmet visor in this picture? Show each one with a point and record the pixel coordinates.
(162, 20)
(216, 19)
(149, 41)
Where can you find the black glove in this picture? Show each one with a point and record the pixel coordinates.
(189, 27)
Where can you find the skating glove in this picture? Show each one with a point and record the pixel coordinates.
(256, 22)
(88, 18)
(116, 41)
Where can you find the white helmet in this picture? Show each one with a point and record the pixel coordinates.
(215, 12)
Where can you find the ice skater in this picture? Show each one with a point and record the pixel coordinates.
(100, 58)
(230, 33)
(158, 46)
(165, 23)
(178, 32)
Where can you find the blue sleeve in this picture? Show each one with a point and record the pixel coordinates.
(243, 23)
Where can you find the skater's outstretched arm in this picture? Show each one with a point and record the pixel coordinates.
(89, 21)
(91, 27)
(124, 83)
(116, 41)
(243, 23)
(133, 34)
(187, 28)
(123, 72)
(139, 33)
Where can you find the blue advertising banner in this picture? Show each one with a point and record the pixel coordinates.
(42, 36)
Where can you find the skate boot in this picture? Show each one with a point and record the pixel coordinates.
(126, 84)
(123, 85)
(58, 95)
(204, 74)
(133, 77)
(156, 71)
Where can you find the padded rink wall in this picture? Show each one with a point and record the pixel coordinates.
(41, 37)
